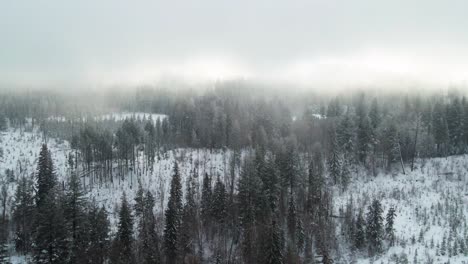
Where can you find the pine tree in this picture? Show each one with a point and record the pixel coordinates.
(315, 183)
(374, 227)
(364, 138)
(454, 125)
(206, 200)
(389, 229)
(76, 218)
(300, 235)
(219, 210)
(123, 243)
(50, 232)
(272, 248)
(391, 144)
(439, 124)
(360, 232)
(51, 238)
(173, 215)
(23, 215)
(345, 175)
(334, 159)
(269, 177)
(150, 143)
(99, 227)
(147, 236)
(292, 218)
(248, 199)
(346, 135)
(374, 114)
(188, 228)
(139, 206)
(45, 176)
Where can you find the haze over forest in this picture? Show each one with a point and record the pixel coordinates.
(312, 43)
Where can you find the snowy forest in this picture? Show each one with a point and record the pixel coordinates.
(233, 174)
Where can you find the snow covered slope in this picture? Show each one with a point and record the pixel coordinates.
(431, 202)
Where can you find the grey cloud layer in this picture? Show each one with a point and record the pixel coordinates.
(99, 41)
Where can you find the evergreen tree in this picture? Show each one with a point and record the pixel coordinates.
(292, 218)
(147, 236)
(50, 232)
(173, 215)
(23, 215)
(364, 138)
(76, 218)
(374, 114)
(389, 229)
(219, 210)
(346, 135)
(150, 143)
(439, 124)
(374, 227)
(51, 238)
(391, 144)
(272, 247)
(454, 125)
(45, 176)
(248, 200)
(206, 200)
(360, 232)
(123, 243)
(188, 228)
(99, 227)
(334, 159)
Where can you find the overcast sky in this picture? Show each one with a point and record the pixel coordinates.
(104, 42)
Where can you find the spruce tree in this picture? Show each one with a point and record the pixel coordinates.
(50, 232)
(439, 124)
(123, 243)
(334, 159)
(272, 248)
(346, 135)
(75, 216)
(45, 176)
(219, 210)
(189, 227)
(374, 227)
(206, 200)
(374, 114)
(51, 238)
(389, 229)
(99, 241)
(173, 215)
(360, 232)
(292, 218)
(23, 215)
(454, 125)
(364, 138)
(147, 236)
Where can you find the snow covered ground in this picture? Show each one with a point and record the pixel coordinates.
(21, 150)
(430, 202)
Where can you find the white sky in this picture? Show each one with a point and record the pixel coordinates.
(327, 42)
